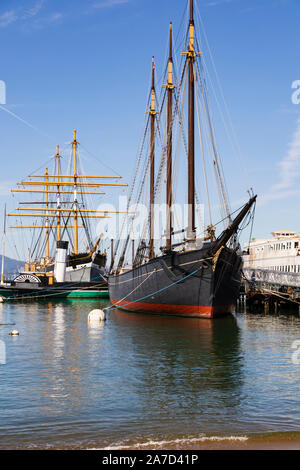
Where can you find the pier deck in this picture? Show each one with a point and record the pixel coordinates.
(270, 291)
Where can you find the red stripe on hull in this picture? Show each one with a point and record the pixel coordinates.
(195, 311)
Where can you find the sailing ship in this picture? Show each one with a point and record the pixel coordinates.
(63, 218)
(199, 276)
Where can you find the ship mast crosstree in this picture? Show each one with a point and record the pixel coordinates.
(63, 184)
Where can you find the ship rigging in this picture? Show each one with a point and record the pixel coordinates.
(195, 271)
(62, 217)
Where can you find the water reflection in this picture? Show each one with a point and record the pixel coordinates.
(141, 376)
(183, 368)
(59, 332)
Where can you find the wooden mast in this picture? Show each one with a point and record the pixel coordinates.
(3, 246)
(58, 205)
(191, 56)
(75, 205)
(47, 219)
(191, 128)
(170, 88)
(152, 113)
(59, 184)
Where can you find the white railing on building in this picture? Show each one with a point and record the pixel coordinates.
(272, 277)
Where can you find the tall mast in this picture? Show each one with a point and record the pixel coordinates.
(170, 88)
(3, 246)
(191, 55)
(74, 144)
(47, 218)
(191, 148)
(59, 184)
(152, 113)
(58, 204)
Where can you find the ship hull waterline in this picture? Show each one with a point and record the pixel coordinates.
(82, 282)
(189, 284)
(26, 294)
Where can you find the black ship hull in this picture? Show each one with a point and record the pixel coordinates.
(33, 290)
(191, 284)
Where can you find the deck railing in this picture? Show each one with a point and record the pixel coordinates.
(272, 277)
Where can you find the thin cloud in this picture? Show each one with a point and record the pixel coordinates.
(7, 18)
(289, 171)
(42, 22)
(109, 3)
(215, 3)
(34, 10)
(11, 16)
(278, 196)
(290, 165)
(56, 16)
(19, 118)
(5, 187)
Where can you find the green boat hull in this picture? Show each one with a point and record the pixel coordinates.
(104, 294)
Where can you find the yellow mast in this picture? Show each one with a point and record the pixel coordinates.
(191, 55)
(170, 87)
(58, 193)
(78, 176)
(153, 114)
(39, 226)
(67, 183)
(75, 143)
(54, 215)
(72, 210)
(47, 219)
(42, 191)
(60, 184)
(3, 246)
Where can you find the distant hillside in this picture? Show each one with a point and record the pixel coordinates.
(11, 266)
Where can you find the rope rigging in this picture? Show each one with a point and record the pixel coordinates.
(207, 145)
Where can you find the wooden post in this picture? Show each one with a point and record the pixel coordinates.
(266, 307)
(133, 254)
(112, 253)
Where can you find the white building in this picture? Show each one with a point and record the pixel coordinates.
(280, 253)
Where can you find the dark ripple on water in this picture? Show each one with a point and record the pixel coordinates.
(141, 379)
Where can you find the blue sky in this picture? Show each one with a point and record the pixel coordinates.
(86, 64)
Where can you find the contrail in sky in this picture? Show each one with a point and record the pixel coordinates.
(25, 122)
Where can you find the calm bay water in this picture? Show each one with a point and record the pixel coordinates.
(142, 380)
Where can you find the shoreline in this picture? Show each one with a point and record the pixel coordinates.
(216, 443)
(212, 443)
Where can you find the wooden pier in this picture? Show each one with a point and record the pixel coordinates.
(270, 291)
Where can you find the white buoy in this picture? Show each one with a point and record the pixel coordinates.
(14, 333)
(1, 300)
(97, 316)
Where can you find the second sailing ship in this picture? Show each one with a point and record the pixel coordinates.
(57, 265)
